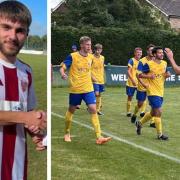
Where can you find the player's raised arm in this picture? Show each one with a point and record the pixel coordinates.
(170, 56)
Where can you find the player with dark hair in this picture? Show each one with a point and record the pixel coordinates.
(155, 71)
(74, 48)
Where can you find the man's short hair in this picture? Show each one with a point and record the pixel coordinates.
(15, 11)
(84, 39)
(149, 46)
(98, 46)
(155, 49)
(137, 49)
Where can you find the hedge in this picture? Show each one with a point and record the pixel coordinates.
(118, 43)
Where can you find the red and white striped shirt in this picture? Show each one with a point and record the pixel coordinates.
(16, 94)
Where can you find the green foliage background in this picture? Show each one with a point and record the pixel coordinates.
(118, 43)
(120, 25)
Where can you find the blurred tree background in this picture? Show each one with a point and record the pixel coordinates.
(120, 25)
(34, 42)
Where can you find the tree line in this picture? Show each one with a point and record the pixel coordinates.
(120, 25)
(35, 42)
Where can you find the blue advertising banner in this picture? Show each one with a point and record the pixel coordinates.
(115, 76)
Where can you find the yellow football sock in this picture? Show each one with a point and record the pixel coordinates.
(128, 106)
(152, 120)
(143, 108)
(68, 121)
(146, 118)
(158, 123)
(136, 110)
(98, 103)
(96, 124)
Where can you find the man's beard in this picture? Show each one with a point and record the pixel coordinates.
(9, 52)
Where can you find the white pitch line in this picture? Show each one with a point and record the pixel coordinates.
(124, 140)
(62, 137)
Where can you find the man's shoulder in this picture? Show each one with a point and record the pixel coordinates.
(24, 65)
(143, 60)
(131, 60)
(102, 56)
(164, 62)
(74, 53)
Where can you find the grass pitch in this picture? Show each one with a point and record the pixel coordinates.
(37, 160)
(83, 159)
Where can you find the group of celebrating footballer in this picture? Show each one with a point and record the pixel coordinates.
(146, 76)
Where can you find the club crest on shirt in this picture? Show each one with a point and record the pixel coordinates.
(17, 108)
(24, 85)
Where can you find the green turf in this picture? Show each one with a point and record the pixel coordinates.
(37, 160)
(83, 159)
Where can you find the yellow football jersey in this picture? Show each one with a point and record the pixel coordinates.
(141, 63)
(132, 63)
(156, 86)
(98, 69)
(79, 72)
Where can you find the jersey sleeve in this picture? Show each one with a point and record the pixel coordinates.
(140, 66)
(130, 63)
(66, 64)
(146, 68)
(31, 100)
(103, 60)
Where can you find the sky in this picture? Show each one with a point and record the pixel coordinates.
(38, 10)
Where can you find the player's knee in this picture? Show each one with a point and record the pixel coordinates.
(153, 113)
(97, 94)
(140, 104)
(92, 110)
(157, 113)
(160, 112)
(72, 109)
